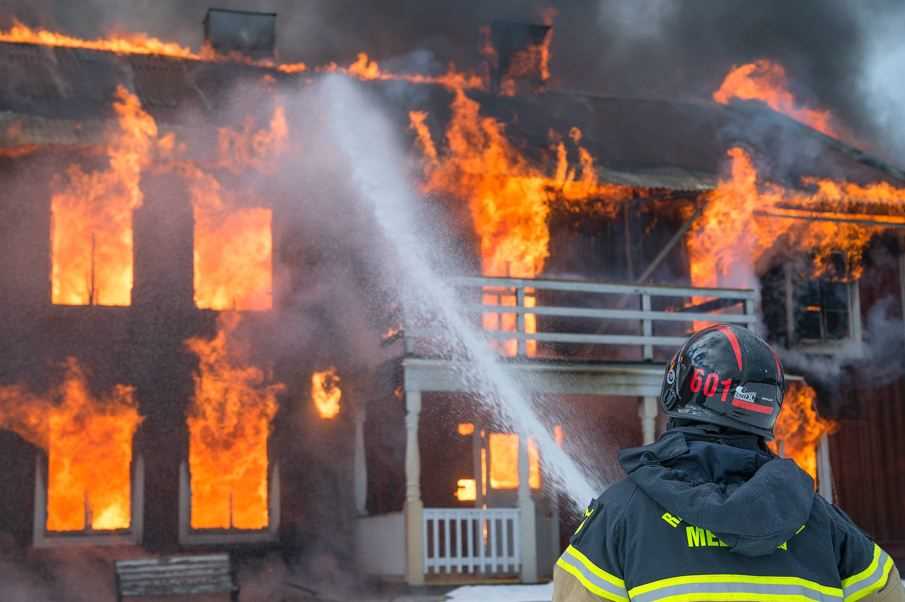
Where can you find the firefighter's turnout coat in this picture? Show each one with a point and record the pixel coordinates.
(706, 516)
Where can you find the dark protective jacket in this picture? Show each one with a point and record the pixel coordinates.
(706, 516)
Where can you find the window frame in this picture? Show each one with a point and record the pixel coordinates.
(42, 538)
(190, 536)
(824, 346)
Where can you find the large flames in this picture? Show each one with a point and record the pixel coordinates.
(508, 196)
(747, 219)
(91, 235)
(92, 212)
(88, 442)
(237, 275)
(799, 428)
(767, 82)
(229, 424)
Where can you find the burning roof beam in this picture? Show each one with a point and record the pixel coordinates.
(863, 219)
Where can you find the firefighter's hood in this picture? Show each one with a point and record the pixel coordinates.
(752, 500)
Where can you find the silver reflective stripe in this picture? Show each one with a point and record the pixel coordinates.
(755, 589)
(617, 592)
(873, 582)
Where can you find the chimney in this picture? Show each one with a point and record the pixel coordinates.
(252, 34)
(518, 55)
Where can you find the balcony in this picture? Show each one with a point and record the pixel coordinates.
(559, 337)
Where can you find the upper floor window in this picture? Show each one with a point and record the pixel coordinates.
(813, 313)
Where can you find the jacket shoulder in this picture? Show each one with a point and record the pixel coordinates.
(617, 497)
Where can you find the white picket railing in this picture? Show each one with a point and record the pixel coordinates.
(471, 540)
(591, 314)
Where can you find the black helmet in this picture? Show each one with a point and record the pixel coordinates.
(728, 376)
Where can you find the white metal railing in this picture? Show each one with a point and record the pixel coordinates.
(612, 314)
(471, 540)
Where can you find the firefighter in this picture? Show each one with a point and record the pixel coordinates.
(708, 512)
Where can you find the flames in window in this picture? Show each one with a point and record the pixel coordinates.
(229, 425)
(236, 275)
(503, 471)
(326, 393)
(91, 233)
(88, 442)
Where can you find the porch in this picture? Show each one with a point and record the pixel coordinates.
(566, 338)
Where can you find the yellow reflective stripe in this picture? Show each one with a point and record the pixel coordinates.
(876, 586)
(736, 596)
(588, 584)
(735, 579)
(596, 570)
(849, 581)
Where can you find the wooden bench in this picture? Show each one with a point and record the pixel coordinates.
(176, 575)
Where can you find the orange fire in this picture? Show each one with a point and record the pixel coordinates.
(237, 275)
(91, 230)
(326, 393)
(233, 275)
(766, 81)
(367, 68)
(504, 462)
(799, 428)
(132, 43)
(531, 61)
(466, 490)
(746, 220)
(135, 43)
(508, 196)
(229, 424)
(88, 441)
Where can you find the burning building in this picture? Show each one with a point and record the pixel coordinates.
(151, 260)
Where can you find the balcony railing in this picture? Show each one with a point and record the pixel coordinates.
(471, 540)
(581, 319)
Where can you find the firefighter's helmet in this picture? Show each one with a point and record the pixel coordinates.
(727, 376)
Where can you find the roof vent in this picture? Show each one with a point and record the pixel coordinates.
(252, 34)
(519, 55)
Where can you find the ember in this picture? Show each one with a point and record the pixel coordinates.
(229, 425)
(88, 441)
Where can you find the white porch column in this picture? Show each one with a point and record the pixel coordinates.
(824, 469)
(647, 411)
(359, 462)
(527, 516)
(414, 507)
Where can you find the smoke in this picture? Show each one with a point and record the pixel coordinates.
(652, 48)
(869, 358)
(880, 78)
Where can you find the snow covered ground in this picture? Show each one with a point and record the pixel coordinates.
(502, 593)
